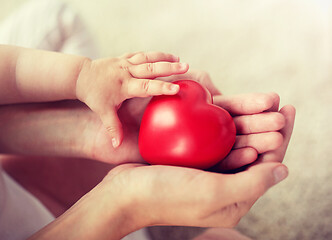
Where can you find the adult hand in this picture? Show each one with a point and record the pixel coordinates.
(164, 195)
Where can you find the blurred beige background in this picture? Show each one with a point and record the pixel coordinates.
(283, 46)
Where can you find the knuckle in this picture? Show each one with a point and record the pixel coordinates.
(124, 68)
(146, 57)
(146, 85)
(111, 129)
(150, 67)
(124, 64)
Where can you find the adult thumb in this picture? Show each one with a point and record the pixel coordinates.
(256, 180)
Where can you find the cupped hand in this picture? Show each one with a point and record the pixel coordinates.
(133, 196)
(167, 195)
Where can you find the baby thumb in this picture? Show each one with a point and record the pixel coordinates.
(113, 126)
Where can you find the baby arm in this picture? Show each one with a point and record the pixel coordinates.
(29, 75)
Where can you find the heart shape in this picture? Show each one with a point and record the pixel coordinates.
(186, 129)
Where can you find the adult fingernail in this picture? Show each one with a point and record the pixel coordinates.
(280, 173)
(115, 142)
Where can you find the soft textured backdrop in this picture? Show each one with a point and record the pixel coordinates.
(247, 46)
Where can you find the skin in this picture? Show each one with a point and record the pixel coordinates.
(30, 75)
(157, 175)
(124, 204)
(120, 204)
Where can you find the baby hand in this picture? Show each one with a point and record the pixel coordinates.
(104, 84)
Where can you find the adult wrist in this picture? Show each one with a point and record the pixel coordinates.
(47, 124)
(103, 213)
(118, 206)
(131, 198)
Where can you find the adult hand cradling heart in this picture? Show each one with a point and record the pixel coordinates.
(135, 194)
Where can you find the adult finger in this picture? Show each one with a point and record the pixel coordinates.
(152, 57)
(159, 69)
(258, 123)
(262, 142)
(245, 103)
(148, 87)
(277, 155)
(236, 159)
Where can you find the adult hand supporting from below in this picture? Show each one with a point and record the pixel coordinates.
(164, 195)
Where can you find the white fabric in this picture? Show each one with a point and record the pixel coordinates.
(21, 214)
(49, 25)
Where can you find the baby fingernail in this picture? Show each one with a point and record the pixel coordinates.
(280, 173)
(115, 143)
(174, 87)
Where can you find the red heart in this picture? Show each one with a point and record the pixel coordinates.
(186, 129)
